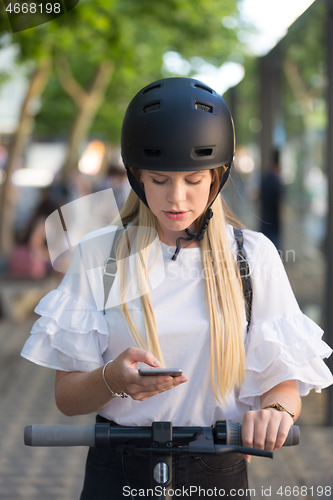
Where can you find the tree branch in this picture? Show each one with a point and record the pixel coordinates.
(68, 82)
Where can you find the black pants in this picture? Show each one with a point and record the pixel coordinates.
(114, 475)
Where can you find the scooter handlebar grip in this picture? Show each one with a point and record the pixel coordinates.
(234, 437)
(59, 435)
(293, 436)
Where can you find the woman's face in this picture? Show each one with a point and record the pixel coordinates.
(177, 199)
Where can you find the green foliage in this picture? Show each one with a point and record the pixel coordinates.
(246, 98)
(305, 74)
(132, 34)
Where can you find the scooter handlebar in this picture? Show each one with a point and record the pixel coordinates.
(225, 432)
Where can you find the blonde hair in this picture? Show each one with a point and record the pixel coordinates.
(223, 288)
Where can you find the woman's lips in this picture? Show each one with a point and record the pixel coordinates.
(175, 215)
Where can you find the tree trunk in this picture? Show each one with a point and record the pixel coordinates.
(37, 83)
(88, 103)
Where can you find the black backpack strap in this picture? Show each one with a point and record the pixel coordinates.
(245, 273)
(110, 266)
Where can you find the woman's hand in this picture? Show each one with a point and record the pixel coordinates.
(122, 375)
(78, 393)
(265, 429)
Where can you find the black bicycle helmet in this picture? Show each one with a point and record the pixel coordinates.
(177, 124)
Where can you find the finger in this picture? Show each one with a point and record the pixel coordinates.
(260, 429)
(134, 355)
(248, 430)
(145, 389)
(247, 458)
(277, 430)
(271, 434)
(170, 382)
(153, 383)
(160, 383)
(174, 382)
(146, 394)
(283, 431)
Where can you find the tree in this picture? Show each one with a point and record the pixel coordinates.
(87, 102)
(37, 82)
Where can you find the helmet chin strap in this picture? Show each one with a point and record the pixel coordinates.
(192, 235)
(209, 214)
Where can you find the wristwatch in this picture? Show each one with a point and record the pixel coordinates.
(279, 407)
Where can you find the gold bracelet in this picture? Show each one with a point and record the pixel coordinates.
(114, 394)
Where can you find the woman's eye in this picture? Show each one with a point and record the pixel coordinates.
(193, 183)
(155, 181)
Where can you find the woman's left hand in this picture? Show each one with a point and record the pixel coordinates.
(265, 429)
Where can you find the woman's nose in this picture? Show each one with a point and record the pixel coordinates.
(176, 192)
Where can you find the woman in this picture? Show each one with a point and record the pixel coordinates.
(178, 148)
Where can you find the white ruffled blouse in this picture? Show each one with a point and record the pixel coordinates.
(73, 334)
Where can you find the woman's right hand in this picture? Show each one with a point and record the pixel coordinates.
(122, 375)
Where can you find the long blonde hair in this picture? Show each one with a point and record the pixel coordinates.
(223, 288)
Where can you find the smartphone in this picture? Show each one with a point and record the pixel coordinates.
(172, 372)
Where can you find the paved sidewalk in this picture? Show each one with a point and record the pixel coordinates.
(26, 397)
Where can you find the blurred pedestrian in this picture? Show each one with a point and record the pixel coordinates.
(271, 199)
(116, 178)
(30, 257)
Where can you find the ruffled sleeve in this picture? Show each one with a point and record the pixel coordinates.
(71, 334)
(288, 348)
(282, 343)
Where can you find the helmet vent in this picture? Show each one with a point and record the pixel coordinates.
(200, 152)
(152, 107)
(153, 87)
(202, 87)
(203, 107)
(153, 153)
